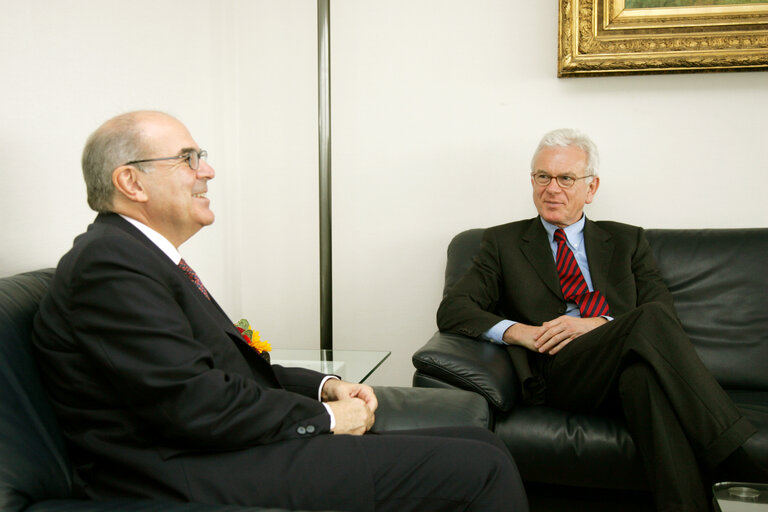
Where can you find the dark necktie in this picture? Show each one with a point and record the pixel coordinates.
(192, 275)
(572, 282)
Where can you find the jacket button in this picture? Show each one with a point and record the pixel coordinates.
(301, 430)
(310, 429)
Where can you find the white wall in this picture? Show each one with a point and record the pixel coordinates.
(437, 108)
(240, 73)
(437, 105)
(70, 65)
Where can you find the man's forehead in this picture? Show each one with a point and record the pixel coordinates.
(561, 159)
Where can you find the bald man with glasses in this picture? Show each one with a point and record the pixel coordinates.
(159, 396)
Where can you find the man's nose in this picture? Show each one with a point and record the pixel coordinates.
(205, 171)
(553, 186)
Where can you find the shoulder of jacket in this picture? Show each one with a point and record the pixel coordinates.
(611, 225)
(618, 228)
(109, 245)
(516, 226)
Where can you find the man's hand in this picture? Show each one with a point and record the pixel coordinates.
(552, 336)
(353, 406)
(335, 389)
(521, 334)
(352, 416)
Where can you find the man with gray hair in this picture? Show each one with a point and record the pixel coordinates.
(593, 327)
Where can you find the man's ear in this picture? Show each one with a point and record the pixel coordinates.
(126, 181)
(592, 189)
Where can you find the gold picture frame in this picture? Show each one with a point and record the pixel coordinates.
(604, 37)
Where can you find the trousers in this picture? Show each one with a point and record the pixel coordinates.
(447, 469)
(681, 420)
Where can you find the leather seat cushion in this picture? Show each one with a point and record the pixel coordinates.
(588, 450)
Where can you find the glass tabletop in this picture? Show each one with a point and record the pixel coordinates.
(350, 365)
(741, 497)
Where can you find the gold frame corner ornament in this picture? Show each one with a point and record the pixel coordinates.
(603, 37)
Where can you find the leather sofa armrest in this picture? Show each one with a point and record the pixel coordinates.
(471, 364)
(403, 408)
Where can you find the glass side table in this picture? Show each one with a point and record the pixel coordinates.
(350, 365)
(740, 497)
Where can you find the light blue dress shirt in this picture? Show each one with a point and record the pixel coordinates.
(574, 235)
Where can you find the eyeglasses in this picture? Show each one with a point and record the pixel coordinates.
(564, 180)
(193, 159)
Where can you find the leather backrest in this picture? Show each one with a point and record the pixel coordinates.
(719, 281)
(33, 462)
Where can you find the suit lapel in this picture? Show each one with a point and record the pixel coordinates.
(600, 247)
(216, 312)
(211, 305)
(538, 252)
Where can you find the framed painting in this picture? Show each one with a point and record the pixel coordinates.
(612, 37)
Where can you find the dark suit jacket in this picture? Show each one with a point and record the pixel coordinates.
(514, 277)
(142, 368)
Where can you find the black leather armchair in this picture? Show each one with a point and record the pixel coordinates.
(719, 282)
(35, 474)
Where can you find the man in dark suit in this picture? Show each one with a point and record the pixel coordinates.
(594, 326)
(159, 396)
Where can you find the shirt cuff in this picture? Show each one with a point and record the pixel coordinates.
(496, 333)
(330, 413)
(320, 398)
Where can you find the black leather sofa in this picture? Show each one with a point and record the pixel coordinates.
(35, 474)
(719, 281)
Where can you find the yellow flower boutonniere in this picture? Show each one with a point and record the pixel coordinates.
(252, 338)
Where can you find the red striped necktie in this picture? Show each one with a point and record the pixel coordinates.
(572, 282)
(192, 275)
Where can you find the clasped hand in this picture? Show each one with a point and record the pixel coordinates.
(353, 406)
(553, 335)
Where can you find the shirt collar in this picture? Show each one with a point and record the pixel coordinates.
(159, 240)
(574, 233)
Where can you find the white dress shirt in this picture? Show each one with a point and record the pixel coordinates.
(169, 250)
